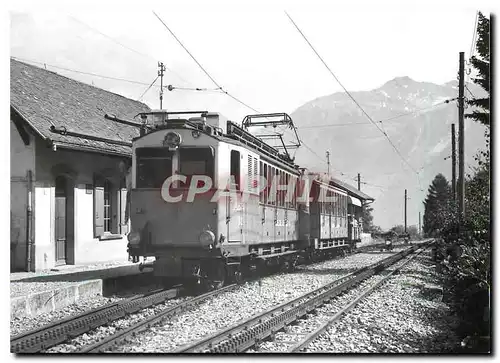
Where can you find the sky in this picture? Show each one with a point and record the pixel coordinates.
(252, 51)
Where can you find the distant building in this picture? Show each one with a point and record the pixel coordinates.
(68, 162)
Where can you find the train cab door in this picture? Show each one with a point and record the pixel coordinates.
(234, 207)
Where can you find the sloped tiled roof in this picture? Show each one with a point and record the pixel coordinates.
(44, 98)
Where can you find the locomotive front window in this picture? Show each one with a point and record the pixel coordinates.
(154, 165)
(196, 161)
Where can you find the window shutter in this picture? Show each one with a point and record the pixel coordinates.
(123, 207)
(98, 208)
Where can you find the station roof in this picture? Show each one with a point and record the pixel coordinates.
(43, 98)
(352, 190)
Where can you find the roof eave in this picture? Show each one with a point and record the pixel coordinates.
(70, 146)
(28, 122)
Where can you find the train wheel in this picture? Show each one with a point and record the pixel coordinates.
(218, 277)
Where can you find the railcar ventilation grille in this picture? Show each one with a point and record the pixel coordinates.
(250, 173)
(255, 175)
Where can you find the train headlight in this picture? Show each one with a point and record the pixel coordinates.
(134, 238)
(172, 140)
(207, 238)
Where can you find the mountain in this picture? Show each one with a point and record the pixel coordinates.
(422, 136)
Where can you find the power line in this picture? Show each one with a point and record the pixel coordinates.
(126, 47)
(474, 35)
(103, 76)
(472, 94)
(353, 99)
(379, 121)
(147, 89)
(203, 69)
(216, 83)
(81, 72)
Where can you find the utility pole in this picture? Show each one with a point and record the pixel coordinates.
(453, 164)
(405, 208)
(160, 74)
(461, 136)
(328, 162)
(419, 225)
(359, 182)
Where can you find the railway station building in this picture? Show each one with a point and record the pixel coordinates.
(69, 156)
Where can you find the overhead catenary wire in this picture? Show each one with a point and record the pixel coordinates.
(349, 94)
(127, 47)
(147, 89)
(92, 74)
(379, 121)
(222, 90)
(203, 69)
(80, 72)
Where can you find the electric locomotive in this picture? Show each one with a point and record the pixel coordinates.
(210, 201)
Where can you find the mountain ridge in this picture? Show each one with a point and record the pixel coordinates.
(417, 120)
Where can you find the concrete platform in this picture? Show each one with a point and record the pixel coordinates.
(33, 294)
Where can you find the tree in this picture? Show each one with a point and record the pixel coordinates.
(413, 232)
(367, 219)
(438, 206)
(482, 64)
(399, 229)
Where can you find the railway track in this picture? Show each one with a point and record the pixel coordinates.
(244, 335)
(310, 337)
(123, 335)
(58, 332)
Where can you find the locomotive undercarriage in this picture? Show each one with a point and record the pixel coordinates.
(212, 269)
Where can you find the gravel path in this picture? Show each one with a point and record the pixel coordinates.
(251, 298)
(406, 315)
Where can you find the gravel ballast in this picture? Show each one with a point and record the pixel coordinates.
(218, 312)
(405, 315)
(249, 299)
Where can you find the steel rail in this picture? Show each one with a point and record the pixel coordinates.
(243, 335)
(310, 337)
(123, 335)
(37, 340)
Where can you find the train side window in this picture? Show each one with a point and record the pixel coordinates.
(330, 202)
(280, 183)
(279, 174)
(270, 174)
(261, 172)
(265, 181)
(235, 167)
(287, 197)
